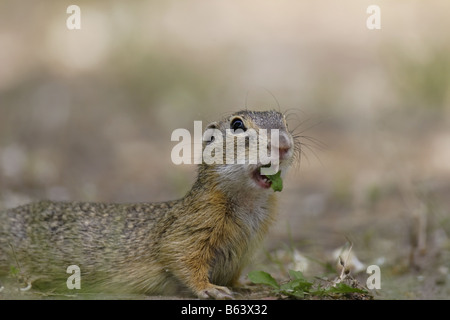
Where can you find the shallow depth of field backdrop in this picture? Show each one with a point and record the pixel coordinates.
(88, 115)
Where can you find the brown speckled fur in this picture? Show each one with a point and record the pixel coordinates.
(198, 244)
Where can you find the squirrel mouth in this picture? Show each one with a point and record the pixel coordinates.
(260, 179)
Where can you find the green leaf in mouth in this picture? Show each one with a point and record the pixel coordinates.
(277, 182)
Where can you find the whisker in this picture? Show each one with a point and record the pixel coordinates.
(274, 98)
(316, 142)
(301, 123)
(319, 122)
(307, 146)
(302, 153)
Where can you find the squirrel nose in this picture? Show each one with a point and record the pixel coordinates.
(284, 146)
(282, 152)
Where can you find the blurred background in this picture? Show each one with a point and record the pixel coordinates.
(88, 115)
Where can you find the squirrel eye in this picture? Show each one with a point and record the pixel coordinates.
(237, 124)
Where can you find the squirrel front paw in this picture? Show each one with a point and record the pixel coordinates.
(215, 292)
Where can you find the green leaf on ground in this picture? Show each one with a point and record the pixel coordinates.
(261, 277)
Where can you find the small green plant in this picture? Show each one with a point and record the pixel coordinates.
(277, 182)
(14, 271)
(299, 287)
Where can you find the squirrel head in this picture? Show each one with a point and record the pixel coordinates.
(247, 147)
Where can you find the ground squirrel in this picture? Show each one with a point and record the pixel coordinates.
(198, 244)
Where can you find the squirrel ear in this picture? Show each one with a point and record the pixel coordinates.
(208, 136)
(212, 125)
